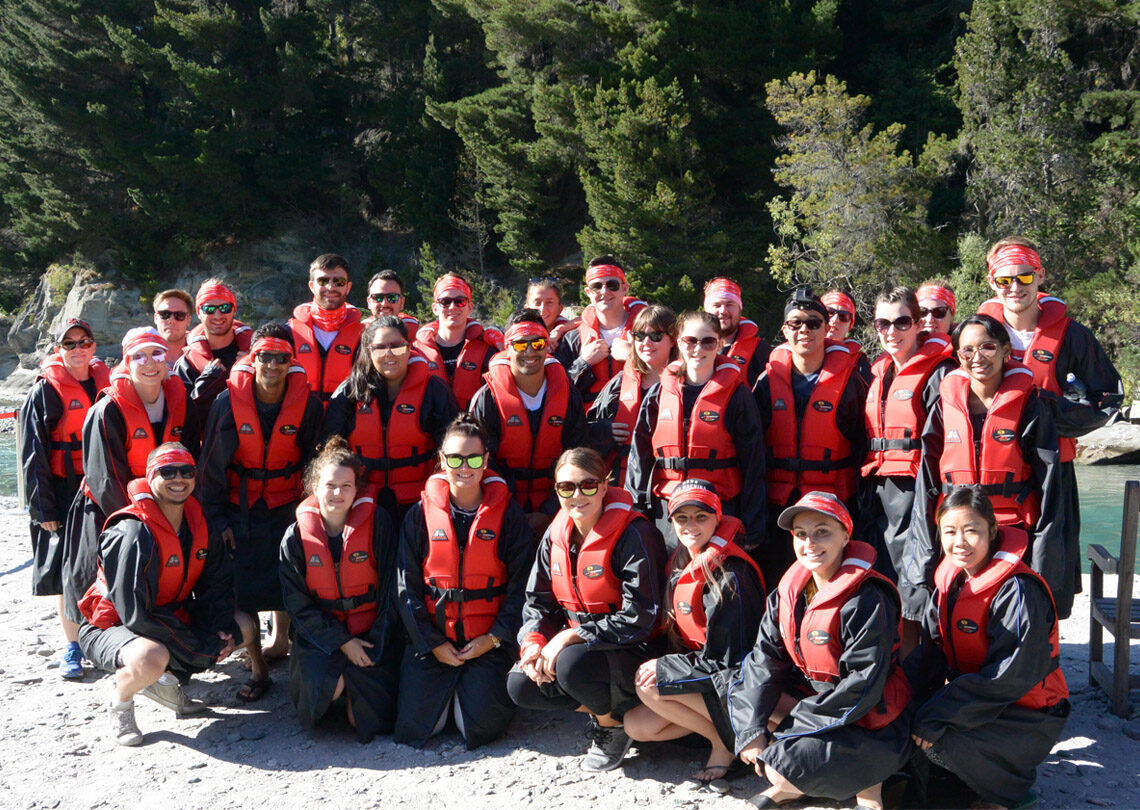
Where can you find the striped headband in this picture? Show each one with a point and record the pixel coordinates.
(214, 292)
(839, 300)
(526, 330)
(720, 288)
(1011, 256)
(695, 492)
(943, 295)
(165, 458)
(271, 344)
(600, 271)
(453, 284)
(142, 337)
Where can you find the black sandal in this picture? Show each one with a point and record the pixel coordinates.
(254, 690)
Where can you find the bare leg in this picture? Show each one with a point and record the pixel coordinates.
(251, 640)
(781, 789)
(278, 645)
(688, 713)
(871, 797)
(348, 701)
(70, 628)
(144, 661)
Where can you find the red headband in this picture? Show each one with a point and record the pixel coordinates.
(448, 284)
(526, 330)
(142, 337)
(939, 293)
(838, 300)
(164, 458)
(271, 344)
(695, 495)
(1012, 256)
(720, 288)
(214, 292)
(600, 271)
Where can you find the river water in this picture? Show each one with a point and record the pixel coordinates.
(1101, 487)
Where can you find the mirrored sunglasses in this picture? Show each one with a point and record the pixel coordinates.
(588, 487)
(455, 461)
(71, 345)
(210, 309)
(538, 344)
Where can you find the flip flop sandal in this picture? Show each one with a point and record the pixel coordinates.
(254, 690)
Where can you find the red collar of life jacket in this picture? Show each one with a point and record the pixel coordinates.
(744, 344)
(963, 624)
(1001, 472)
(589, 329)
(325, 370)
(688, 594)
(706, 449)
(811, 454)
(896, 416)
(140, 434)
(348, 589)
(530, 457)
(198, 350)
(65, 448)
(464, 587)
(478, 342)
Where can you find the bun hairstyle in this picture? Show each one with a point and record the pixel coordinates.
(465, 426)
(334, 451)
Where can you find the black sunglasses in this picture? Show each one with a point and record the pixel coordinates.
(654, 337)
(611, 284)
(811, 323)
(901, 324)
(937, 312)
(167, 314)
(173, 472)
(842, 315)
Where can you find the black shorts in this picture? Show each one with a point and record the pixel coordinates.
(103, 648)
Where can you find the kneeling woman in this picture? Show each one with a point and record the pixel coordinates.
(716, 595)
(830, 638)
(996, 657)
(592, 606)
(465, 550)
(337, 564)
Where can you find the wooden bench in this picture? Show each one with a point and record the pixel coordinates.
(1120, 614)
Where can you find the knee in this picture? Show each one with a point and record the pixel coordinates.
(249, 626)
(777, 781)
(146, 659)
(641, 723)
(648, 694)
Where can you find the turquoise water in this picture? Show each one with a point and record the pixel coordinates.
(1101, 488)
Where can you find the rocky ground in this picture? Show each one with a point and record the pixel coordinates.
(59, 755)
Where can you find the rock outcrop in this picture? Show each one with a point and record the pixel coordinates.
(1116, 444)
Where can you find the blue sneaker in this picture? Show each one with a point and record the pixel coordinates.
(71, 665)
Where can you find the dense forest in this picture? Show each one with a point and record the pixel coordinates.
(838, 142)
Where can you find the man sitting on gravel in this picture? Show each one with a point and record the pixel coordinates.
(163, 598)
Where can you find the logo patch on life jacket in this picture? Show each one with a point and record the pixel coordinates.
(823, 406)
(467, 365)
(592, 572)
(140, 433)
(513, 420)
(708, 416)
(903, 394)
(340, 348)
(358, 556)
(201, 554)
(779, 405)
(405, 407)
(315, 561)
(174, 561)
(1043, 355)
(304, 348)
(819, 637)
(246, 428)
(439, 534)
(556, 569)
(176, 432)
(967, 626)
(555, 421)
(952, 436)
(736, 358)
(361, 409)
(666, 415)
(485, 534)
(684, 607)
(1004, 435)
(287, 430)
(75, 405)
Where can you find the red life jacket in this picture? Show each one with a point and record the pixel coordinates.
(399, 455)
(963, 626)
(706, 450)
(1002, 473)
(260, 469)
(628, 405)
(531, 458)
(744, 344)
(813, 454)
(814, 645)
(140, 435)
(464, 587)
(688, 594)
(177, 576)
(198, 350)
(589, 330)
(325, 370)
(349, 590)
(591, 587)
(1041, 355)
(477, 344)
(895, 417)
(65, 443)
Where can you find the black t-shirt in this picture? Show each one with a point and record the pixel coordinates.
(450, 355)
(227, 354)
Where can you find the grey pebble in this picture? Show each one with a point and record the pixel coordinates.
(1099, 802)
(193, 780)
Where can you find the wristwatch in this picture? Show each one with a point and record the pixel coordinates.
(495, 640)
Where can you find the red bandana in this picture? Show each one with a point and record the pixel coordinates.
(527, 330)
(328, 320)
(271, 344)
(838, 300)
(1012, 256)
(719, 289)
(216, 293)
(943, 295)
(601, 271)
(450, 284)
(165, 458)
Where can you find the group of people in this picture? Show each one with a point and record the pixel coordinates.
(590, 512)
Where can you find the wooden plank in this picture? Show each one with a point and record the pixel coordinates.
(1099, 556)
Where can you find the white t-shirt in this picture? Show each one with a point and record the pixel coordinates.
(1019, 339)
(533, 403)
(610, 335)
(324, 338)
(154, 410)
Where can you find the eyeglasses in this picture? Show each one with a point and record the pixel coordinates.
(653, 337)
(986, 350)
(901, 324)
(842, 315)
(210, 309)
(173, 472)
(588, 487)
(394, 348)
(142, 357)
(388, 298)
(71, 345)
(811, 323)
(538, 344)
(455, 461)
(706, 343)
(271, 358)
(336, 281)
(458, 301)
(936, 312)
(167, 314)
(1024, 279)
(611, 284)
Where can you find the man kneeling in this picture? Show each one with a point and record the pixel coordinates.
(163, 598)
